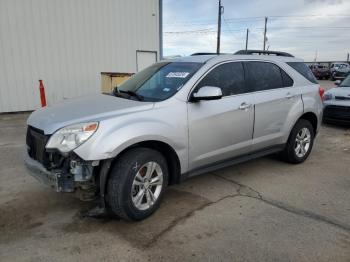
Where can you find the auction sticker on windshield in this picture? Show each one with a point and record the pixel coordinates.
(178, 74)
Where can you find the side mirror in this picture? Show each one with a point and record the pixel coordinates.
(207, 93)
(337, 82)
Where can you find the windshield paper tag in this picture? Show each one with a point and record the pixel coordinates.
(178, 74)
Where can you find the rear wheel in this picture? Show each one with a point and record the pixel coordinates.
(137, 183)
(299, 143)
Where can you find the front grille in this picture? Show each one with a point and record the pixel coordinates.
(342, 98)
(36, 141)
(337, 112)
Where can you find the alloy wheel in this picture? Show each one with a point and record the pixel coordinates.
(302, 142)
(147, 185)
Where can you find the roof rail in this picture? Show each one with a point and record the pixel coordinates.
(204, 53)
(262, 52)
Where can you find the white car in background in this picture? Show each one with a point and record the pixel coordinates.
(337, 103)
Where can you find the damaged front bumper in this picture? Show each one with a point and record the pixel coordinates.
(38, 171)
(78, 177)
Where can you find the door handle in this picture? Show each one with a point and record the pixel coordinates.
(244, 106)
(289, 95)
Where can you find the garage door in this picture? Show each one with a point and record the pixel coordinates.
(145, 59)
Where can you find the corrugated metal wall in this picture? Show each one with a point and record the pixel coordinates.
(68, 43)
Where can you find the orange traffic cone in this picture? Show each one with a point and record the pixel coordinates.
(42, 93)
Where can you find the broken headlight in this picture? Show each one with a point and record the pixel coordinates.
(327, 96)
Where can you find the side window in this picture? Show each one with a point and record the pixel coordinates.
(263, 76)
(229, 77)
(302, 69)
(287, 81)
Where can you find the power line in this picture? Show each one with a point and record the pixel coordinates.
(212, 30)
(252, 18)
(204, 32)
(306, 16)
(310, 27)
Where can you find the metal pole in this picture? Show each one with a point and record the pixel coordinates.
(246, 40)
(219, 28)
(265, 29)
(347, 59)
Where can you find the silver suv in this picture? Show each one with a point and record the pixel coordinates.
(173, 120)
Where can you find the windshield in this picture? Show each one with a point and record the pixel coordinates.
(346, 82)
(341, 66)
(159, 81)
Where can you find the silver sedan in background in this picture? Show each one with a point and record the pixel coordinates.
(337, 103)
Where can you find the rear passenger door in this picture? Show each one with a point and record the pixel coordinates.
(275, 99)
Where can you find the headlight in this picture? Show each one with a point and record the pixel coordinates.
(70, 137)
(327, 96)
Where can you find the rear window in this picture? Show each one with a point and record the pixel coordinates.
(304, 70)
(263, 76)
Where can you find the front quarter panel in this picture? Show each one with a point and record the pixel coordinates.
(166, 122)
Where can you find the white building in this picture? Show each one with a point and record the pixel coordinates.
(68, 43)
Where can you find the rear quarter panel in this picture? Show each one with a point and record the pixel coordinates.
(311, 102)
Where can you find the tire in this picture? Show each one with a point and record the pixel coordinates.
(290, 154)
(131, 168)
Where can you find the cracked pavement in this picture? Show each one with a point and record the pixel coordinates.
(261, 210)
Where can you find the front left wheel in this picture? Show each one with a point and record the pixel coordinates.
(136, 184)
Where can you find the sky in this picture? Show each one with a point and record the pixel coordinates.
(308, 29)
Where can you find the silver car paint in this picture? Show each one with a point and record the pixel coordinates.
(83, 109)
(219, 129)
(165, 122)
(200, 133)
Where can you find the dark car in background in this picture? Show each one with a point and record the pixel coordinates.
(320, 71)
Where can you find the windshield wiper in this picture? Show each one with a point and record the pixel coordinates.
(132, 93)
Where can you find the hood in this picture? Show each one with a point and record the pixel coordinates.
(340, 91)
(83, 109)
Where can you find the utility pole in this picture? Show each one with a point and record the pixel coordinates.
(316, 55)
(246, 40)
(265, 29)
(347, 59)
(220, 12)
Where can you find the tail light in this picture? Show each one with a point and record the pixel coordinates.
(321, 92)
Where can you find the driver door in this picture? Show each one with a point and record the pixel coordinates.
(221, 129)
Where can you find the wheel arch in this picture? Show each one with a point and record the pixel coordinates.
(165, 149)
(312, 118)
(309, 116)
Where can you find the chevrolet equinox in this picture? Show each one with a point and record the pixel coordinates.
(173, 120)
